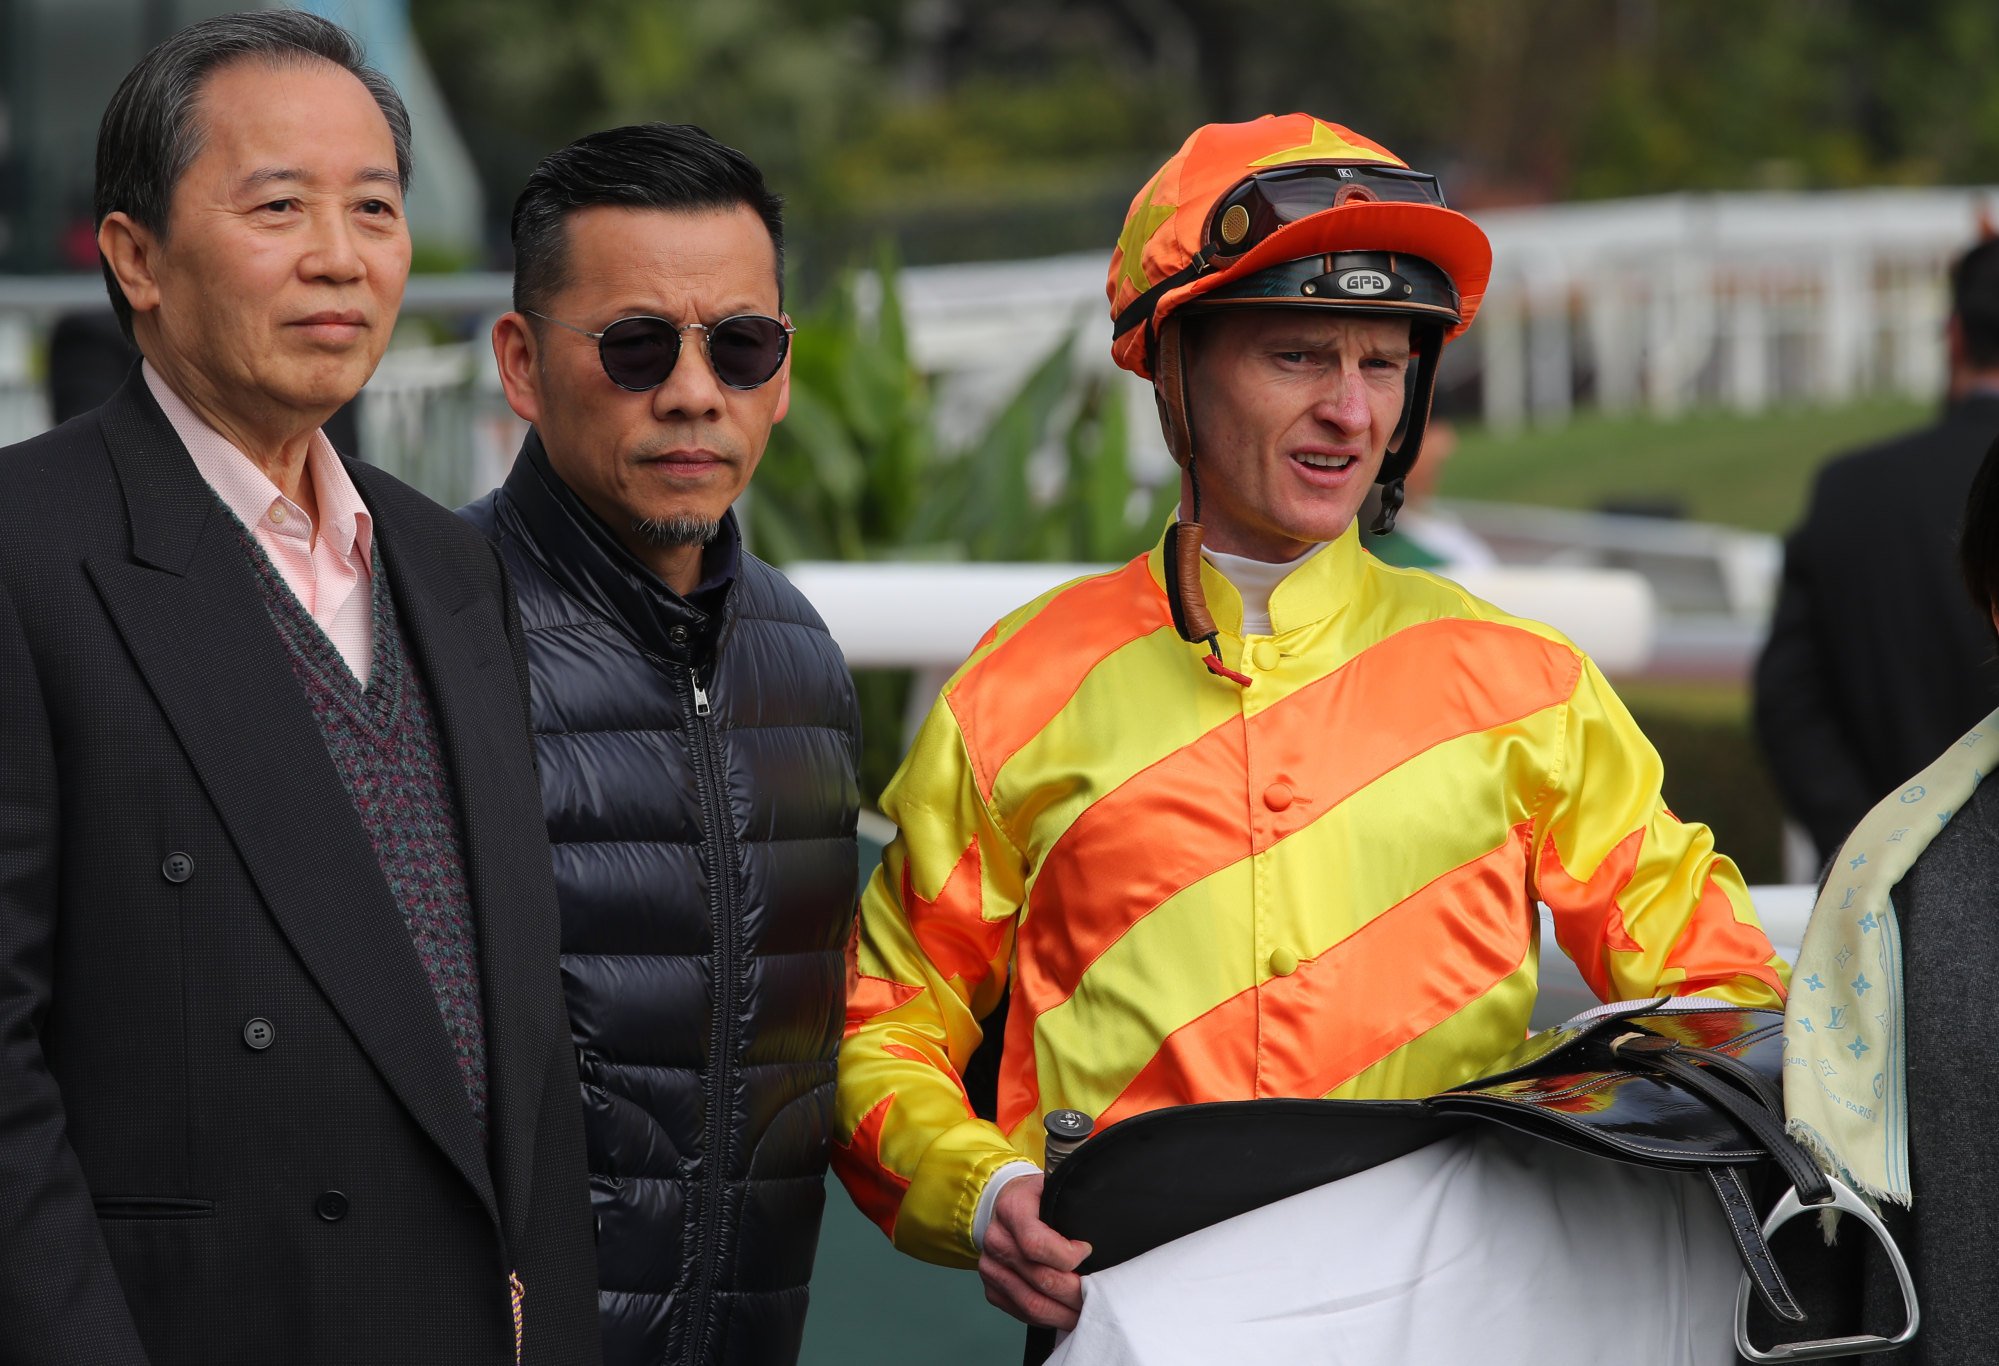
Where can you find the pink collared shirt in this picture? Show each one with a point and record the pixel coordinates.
(329, 572)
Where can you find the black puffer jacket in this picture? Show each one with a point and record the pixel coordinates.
(696, 773)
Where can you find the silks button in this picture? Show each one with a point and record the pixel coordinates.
(1283, 962)
(1265, 655)
(1277, 796)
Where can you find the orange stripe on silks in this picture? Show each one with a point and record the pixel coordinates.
(1173, 824)
(1007, 698)
(1585, 937)
(876, 1190)
(949, 929)
(1018, 1088)
(1715, 948)
(1402, 974)
(868, 997)
(1186, 817)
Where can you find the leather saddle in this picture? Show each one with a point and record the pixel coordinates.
(1681, 1087)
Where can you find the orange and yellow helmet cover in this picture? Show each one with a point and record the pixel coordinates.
(1170, 231)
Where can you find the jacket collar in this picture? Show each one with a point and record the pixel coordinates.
(1315, 591)
(167, 502)
(184, 601)
(579, 552)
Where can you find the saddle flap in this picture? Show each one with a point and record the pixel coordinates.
(1574, 1089)
(1126, 1189)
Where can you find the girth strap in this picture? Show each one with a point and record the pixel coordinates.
(1746, 1228)
(1748, 1102)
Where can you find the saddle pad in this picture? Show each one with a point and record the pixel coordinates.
(1486, 1246)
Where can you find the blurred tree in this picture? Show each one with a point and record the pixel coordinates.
(968, 130)
(856, 470)
(871, 116)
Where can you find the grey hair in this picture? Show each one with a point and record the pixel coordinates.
(675, 531)
(150, 135)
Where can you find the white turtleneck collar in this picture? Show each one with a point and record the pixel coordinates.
(1256, 580)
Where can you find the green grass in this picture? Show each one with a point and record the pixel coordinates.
(1745, 471)
(1721, 701)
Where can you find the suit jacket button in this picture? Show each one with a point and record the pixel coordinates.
(331, 1206)
(259, 1034)
(177, 868)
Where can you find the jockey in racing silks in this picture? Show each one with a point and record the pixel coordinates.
(1254, 815)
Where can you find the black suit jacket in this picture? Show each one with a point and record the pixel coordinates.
(1877, 660)
(231, 1126)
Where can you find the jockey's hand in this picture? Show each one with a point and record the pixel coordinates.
(1030, 1269)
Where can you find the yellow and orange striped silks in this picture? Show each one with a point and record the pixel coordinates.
(1323, 884)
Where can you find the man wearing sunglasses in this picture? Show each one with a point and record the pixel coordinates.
(1255, 815)
(696, 731)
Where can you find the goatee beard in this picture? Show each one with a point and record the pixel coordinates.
(677, 531)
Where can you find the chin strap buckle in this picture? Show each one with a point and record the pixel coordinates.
(1213, 659)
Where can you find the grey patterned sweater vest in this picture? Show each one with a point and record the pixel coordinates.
(384, 744)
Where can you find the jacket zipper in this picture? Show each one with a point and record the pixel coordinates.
(721, 1071)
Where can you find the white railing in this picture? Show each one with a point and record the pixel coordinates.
(435, 418)
(940, 610)
(432, 415)
(1662, 303)
(1746, 300)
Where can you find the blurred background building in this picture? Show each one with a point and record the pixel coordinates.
(61, 59)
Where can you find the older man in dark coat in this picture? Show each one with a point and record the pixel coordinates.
(283, 1070)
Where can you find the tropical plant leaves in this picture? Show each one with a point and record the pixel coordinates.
(856, 470)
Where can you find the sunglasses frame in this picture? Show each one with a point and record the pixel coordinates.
(707, 331)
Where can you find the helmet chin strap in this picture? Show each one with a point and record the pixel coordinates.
(1392, 495)
(1184, 594)
(1428, 345)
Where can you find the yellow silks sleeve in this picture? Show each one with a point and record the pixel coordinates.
(1641, 900)
(928, 961)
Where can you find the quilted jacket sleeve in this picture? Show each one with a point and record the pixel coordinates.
(928, 961)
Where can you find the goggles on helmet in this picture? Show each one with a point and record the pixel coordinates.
(1270, 199)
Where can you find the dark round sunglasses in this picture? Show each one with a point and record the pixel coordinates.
(638, 353)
